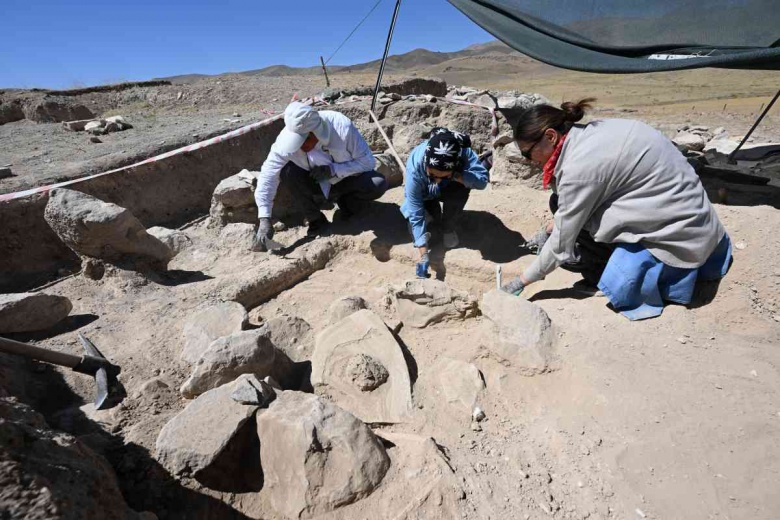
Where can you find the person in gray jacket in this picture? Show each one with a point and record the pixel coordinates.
(630, 213)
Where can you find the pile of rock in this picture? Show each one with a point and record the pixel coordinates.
(248, 428)
(98, 126)
(503, 99)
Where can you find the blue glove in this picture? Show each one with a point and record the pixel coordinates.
(422, 267)
(514, 287)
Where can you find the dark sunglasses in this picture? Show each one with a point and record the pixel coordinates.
(527, 153)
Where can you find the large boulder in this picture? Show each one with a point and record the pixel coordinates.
(52, 475)
(214, 440)
(420, 303)
(234, 200)
(315, 456)
(208, 324)
(517, 332)
(389, 168)
(359, 365)
(246, 352)
(25, 312)
(102, 230)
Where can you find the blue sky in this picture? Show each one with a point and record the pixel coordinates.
(68, 43)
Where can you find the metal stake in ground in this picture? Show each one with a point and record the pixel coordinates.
(92, 363)
(384, 56)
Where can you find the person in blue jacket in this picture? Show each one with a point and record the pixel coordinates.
(444, 169)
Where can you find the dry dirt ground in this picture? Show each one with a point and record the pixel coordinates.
(676, 417)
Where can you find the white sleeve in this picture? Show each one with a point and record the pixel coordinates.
(268, 182)
(362, 158)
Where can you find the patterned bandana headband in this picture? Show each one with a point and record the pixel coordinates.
(443, 150)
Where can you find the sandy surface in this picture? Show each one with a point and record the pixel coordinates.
(675, 417)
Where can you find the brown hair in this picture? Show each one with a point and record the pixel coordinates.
(535, 120)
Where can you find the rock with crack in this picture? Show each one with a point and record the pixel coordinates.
(101, 230)
(517, 332)
(358, 363)
(214, 440)
(316, 456)
(420, 303)
(461, 383)
(26, 312)
(343, 307)
(246, 352)
(292, 335)
(208, 324)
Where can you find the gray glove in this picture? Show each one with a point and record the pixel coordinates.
(536, 243)
(265, 231)
(514, 287)
(320, 173)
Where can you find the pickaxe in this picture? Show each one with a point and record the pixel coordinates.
(92, 363)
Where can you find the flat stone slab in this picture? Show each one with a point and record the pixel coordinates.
(208, 324)
(360, 365)
(518, 332)
(460, 382)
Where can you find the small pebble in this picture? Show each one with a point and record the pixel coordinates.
(682, 340)
(478, 415)
(741, 245)
(640, 513)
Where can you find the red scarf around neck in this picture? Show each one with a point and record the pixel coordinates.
(549, 167)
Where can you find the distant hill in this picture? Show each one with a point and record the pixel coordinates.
(414, 61)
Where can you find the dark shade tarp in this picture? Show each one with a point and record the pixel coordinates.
(631, 36)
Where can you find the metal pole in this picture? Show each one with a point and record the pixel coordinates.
(327, 81)
(384, 57)
(747, 135)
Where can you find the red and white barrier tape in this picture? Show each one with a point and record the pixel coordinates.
(185, 149)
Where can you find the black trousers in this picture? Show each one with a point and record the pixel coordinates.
(448, 209)
(348, 193)
(593, 256)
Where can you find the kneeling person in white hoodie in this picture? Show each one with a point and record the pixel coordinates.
(323, 157)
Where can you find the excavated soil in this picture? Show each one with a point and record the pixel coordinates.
(675, 417)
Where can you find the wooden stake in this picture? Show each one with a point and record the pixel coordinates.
(387, 140)
(327, 81)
